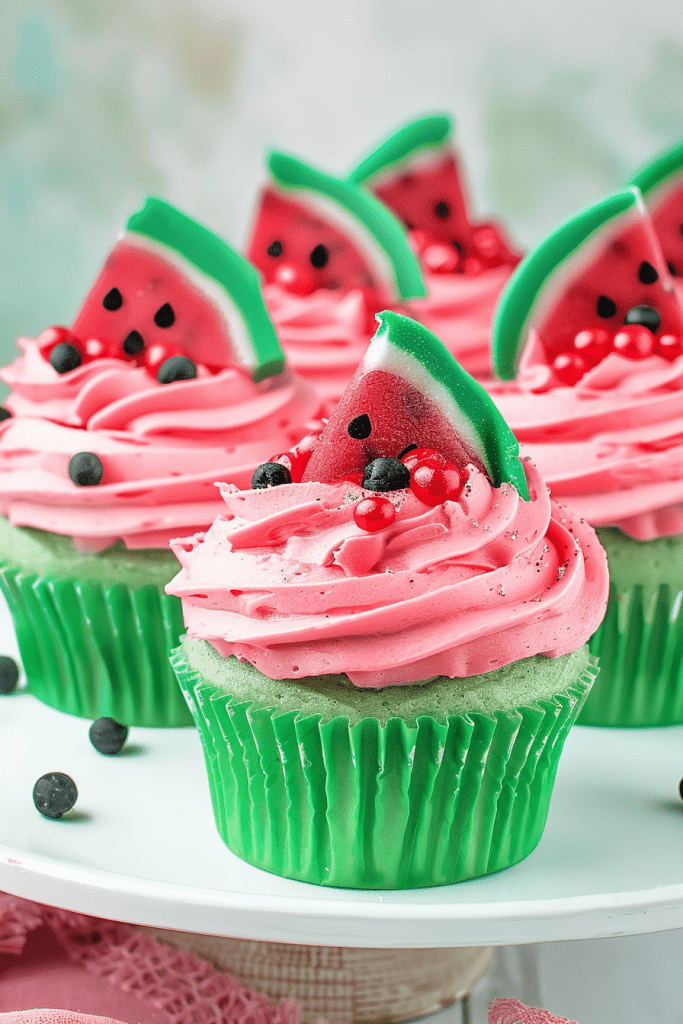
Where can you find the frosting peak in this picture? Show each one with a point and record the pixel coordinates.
(457, 589)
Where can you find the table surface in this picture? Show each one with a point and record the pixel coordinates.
(140, 846)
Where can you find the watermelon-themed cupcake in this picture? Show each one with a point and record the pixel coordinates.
(331, 256)
(385, 655)
(592, 325)
(417, 173)
(171, 377)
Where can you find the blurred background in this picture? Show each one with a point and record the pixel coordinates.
(102, 103)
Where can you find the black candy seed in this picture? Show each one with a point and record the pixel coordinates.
(9, 674)
(386, 475)
(54, 794)
(408, 448)
(85, 469)
(360, 427)
(133, 343)
(165, 315)
(113, 299)
(176, 368)
(275, 248)
(605, 307)
(319, 256)
(270, 474)
(108, 736)
(442, 209)
(4, 413)
(680, 789)
(65, 357)
(647, 273)
(672, 269)
(646, 316)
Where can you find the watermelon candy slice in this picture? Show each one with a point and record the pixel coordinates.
(312, 231)
(408, 395)
(598, 284)
(416, 173)
(172, 289)
(661, 185)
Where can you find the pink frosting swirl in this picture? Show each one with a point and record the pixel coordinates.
(325, 334)
(162, 446)
(288, 582)
(611, 446)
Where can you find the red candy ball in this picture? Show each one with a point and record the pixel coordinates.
(440, 258)
(634, 342)
(374, 514)
(55, 335)
(434, 483)
(669, 346)
(592, 345)
(416, 456)
(569, 367)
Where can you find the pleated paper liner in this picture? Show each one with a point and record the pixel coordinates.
(93, 650)
(380, 807)
(640, 647)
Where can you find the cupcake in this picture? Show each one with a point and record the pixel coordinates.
(170, 377)
(592, 325)
(331, 256)
(384, 656)
(417, 173)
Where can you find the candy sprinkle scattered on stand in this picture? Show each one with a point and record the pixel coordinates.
(54, 794)
(9, 674)
(108, 736)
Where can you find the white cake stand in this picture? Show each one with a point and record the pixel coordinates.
(141, 846)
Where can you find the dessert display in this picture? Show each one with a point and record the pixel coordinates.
(364, 640)
(170, 377)
(331, 256)
(416, 171)
(592, 325)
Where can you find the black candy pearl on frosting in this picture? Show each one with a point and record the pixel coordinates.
(85, 469)
(176, 368)
(54, 794)
(5, 414)
(108, 736)
(133, 343)
(65, 357)
(9, 674)
(386, 475)
(646, 316)
(270, 474)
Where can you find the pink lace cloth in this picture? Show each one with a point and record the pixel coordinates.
(511, 1011)
(108, 971)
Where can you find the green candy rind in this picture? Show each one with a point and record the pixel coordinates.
(466, 405)
(667, 165)
(534, 276)
(232, 278)
(425, 133)
(375, 225)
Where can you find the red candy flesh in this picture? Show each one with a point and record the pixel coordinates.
(147, 282)
(299, 231)
(399, 415)
(430, 200)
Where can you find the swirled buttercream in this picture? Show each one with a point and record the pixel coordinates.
(162, 446)
(611, 446)
(287, 581)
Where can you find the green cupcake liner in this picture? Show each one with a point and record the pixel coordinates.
(374, 807)
(94, 650)
(640, 647)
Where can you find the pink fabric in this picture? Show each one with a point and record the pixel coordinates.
(511, 1011)
(72, 962)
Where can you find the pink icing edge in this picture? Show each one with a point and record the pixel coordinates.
(610, 446)
(497, 625)
(52, 417)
